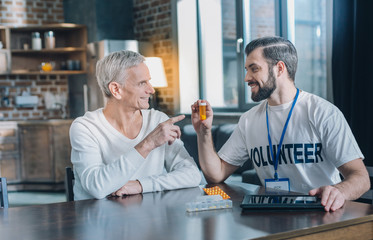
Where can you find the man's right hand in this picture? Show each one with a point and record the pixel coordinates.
(202, 126)
(214, 169)
(164, 132)
(130, 188)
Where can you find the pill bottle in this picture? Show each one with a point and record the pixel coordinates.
(36, 41)
(202, 110)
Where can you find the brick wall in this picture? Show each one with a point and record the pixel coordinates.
(41, 86)
(152, 23)
(23, 13)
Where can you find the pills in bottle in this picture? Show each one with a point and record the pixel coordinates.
(202, 110)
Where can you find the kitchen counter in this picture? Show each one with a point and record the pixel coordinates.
(45, 122)
(41, 121)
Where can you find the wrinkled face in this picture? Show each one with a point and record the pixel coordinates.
(137, 88)
(258, 76)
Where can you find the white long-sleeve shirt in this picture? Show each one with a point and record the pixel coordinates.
(104, 159)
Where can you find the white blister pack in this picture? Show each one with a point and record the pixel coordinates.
(209, 202)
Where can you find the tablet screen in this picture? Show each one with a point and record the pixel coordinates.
(281, 201)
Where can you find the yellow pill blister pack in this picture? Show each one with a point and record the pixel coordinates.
(216, 191)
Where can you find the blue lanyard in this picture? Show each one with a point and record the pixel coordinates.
(282, 135)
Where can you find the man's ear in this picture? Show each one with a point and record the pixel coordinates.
(115, 89)
(281, 68)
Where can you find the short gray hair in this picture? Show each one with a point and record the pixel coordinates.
(276, 49)
(113, 68)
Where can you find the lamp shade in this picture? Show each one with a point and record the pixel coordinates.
(157, 73)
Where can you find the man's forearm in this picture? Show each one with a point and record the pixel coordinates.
(144, 148)
(355, 185)
(209, 160)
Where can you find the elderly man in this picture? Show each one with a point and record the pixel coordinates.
(124, 148)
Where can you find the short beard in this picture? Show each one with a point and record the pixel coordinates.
(268, 88)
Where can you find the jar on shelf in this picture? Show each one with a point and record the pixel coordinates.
(50, 41)
(36, 41)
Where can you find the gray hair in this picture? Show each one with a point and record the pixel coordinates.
(113, 68)
(276, 49)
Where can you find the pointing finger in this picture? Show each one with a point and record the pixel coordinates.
(176, 119)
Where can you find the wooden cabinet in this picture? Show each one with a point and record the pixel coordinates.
(34, 154)
(9, 152)
(70, 46)
(44, 153)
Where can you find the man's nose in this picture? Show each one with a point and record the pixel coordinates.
(247, 77)
(150, 88)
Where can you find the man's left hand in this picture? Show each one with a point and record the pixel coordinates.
(331, 197)
(130, 188)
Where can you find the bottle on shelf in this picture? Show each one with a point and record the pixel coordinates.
(49, 40)
(36, 41)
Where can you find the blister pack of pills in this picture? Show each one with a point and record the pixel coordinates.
(216, 191)
(209, 202)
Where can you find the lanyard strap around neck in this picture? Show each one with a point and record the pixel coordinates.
(275, 160)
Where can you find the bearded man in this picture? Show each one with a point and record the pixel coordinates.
(297, 141)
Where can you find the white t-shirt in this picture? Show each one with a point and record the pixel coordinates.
(318, 140)
(104, 159)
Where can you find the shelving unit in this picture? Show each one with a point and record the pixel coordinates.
(70, 44)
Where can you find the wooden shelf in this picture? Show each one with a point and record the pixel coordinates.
(47, 27)
(70, 43)
(55, 50)
(57, 72)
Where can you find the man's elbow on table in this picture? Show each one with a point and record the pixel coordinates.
(215, 179)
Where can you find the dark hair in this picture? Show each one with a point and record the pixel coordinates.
(276, 49)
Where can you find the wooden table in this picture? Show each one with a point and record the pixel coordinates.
(162, 215)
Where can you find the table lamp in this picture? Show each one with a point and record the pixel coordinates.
(158, 77)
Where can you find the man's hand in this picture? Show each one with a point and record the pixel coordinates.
(331, 198)
(355, 183)
(164, 132)
(201, 126)
(130, 188)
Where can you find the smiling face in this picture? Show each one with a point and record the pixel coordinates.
(258, 76)
(137, 88)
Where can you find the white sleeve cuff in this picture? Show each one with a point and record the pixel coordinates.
(147, 184)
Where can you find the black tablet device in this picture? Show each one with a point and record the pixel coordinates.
(279, 202)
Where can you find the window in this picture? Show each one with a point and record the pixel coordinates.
(225, 27)
(309, 37)
(259, 20)
(217, 52)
